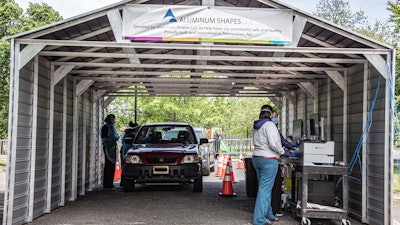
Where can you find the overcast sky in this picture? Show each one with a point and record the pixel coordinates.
(374, 9)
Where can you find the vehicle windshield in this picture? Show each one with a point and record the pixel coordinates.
(157, 134)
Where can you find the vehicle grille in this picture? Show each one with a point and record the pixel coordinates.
(161, 159)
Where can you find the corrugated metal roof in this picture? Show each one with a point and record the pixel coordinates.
(87, 44)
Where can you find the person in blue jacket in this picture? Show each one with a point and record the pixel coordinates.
(109, 137)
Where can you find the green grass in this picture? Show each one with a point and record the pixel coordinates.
(3, 164)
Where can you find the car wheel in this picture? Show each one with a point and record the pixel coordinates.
(198, 184)
(212, 168)
(206, 169)
(129, 185)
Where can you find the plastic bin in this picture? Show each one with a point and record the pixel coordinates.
(251, 178)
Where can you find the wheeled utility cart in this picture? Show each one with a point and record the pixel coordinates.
(300, 205)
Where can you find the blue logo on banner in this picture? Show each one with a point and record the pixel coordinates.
(169, 14)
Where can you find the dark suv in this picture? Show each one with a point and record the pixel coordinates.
(207, 151)
(164, 152)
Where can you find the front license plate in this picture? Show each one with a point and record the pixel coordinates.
(160, 169)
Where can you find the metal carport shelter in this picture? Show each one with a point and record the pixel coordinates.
(64, 74)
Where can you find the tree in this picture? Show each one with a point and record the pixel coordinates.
(14, 20)
(233, 115)
(339, 12)
(394, 8)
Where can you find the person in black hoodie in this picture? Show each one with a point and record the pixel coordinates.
(109, 137)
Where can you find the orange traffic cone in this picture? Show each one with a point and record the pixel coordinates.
(240, 163)
(227, 187)
(231, 169)
(224, 166)
(220, 162)
(118, 171)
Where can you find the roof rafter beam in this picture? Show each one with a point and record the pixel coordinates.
(97, 94)
(196, 80)
(205, 57)
(82, 86)
(202, 67)
(73, 21)
(115, 19)
(60, 73)
(85, 36)
(275, 100)
(337, 78)
(290, 97)
(324, 44)
(379, 63)
(108, 100)
(189, 95)
(339, 30)
(28, 53)
(309, 88)
(205, 74)
(105, 44)
(298, 27)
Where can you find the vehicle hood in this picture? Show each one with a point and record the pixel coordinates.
(172, 148)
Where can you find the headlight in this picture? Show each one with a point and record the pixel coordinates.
(191, 159)
(133, 159)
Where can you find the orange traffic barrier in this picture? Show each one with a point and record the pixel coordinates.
(220, 162)
(240, 163)
(118, 171)
(227, 187)
(231, 169)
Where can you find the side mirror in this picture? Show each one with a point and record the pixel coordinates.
(128, 140)
(203, 140)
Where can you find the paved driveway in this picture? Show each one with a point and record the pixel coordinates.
(168, 205)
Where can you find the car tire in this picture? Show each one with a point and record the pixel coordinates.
(198, 184)
(206, 169)
(212, 169)
(129, 185)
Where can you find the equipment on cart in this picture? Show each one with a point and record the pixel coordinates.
(314, 198)
(317, 153)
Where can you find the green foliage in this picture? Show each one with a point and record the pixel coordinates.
(10, 14)
(12, 21)
(38, 15)
(339, 12)
(394, 7)
(233, 115)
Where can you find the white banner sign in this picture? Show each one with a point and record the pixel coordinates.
(208, 24)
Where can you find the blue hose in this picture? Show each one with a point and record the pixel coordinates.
(363, 139)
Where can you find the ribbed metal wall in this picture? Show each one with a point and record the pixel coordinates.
(28, 193)
(330, 101)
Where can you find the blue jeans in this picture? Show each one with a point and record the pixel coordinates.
(266, 170)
